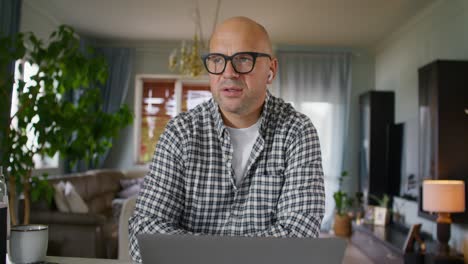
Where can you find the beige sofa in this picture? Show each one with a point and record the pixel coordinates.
(93, 234)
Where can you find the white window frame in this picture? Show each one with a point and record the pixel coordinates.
(179, 82)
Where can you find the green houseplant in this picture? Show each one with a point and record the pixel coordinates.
(382, 202)
(342, 221)
(78, 130)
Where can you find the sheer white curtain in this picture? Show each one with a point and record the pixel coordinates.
(318, 84)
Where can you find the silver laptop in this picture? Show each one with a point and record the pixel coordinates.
(182, 249)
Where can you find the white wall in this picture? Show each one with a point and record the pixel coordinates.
(438, 32)
(36, 20)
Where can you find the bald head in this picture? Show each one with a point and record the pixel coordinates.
(241, 94)
(240, 30)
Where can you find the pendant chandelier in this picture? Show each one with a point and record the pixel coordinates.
(186, 59)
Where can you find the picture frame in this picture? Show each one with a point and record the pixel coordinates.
(413, 235)
(381, 215)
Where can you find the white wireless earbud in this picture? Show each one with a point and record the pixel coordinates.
(270, 76)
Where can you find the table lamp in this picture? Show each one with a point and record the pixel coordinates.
(443, 197)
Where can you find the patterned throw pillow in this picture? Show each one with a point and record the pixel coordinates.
(130, 187)
(125, 183)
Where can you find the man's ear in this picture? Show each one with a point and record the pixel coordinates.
(273, 70)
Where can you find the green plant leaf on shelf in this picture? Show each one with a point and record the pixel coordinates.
(382, 202)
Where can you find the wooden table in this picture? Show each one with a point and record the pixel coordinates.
(352, 254)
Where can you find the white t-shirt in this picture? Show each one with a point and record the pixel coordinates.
(242, 140)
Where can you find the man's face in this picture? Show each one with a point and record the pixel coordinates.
(235, 93)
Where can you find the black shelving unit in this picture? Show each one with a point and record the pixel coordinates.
(443, 125)
(377, 131)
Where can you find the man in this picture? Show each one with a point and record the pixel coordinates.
(242, 164)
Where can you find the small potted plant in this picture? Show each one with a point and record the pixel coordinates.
(342, 223)
(381, 212)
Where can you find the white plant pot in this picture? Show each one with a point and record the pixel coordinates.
(28, 243)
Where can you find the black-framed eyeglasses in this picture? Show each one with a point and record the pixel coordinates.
(242, 62)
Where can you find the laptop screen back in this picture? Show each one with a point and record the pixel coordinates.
(182, 249)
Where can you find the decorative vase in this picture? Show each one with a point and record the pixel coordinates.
(342, 225)
(28, 243)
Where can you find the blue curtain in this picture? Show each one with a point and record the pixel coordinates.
(318, 84)
(10, 13)
(113, 92)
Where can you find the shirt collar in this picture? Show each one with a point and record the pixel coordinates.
(219, 123)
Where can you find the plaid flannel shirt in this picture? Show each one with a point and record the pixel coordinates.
(190, 187)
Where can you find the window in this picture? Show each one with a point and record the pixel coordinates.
(319, 113)
(324, 116)
(29, 70)
(157, 101)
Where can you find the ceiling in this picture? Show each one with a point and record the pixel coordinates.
(352, 23)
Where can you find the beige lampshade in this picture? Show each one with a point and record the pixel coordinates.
(446, 196)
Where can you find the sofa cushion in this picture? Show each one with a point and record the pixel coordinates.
(92, 185)
(129, 191)
(74, 200)
(97, 188)
(59, 197)
(73, 178)
(126, 183)
(71, 219)
(135, 173)
(101, 203)
(102, 181)
(130, 187)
